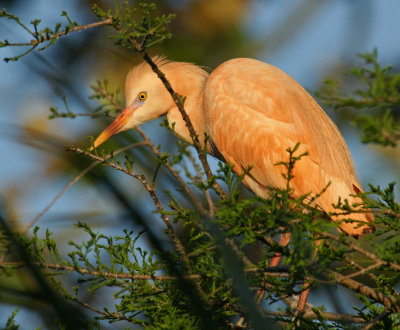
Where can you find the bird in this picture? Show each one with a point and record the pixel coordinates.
(248, 113)
(251, 112)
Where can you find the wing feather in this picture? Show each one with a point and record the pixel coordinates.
(255, 112)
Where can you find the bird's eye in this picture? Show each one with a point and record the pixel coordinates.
(142, 96)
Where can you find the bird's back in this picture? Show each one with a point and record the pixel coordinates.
(255, 112)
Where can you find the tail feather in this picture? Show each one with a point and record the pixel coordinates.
(355, 228)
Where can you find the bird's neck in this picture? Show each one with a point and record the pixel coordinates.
(191, 86)
(193, 108)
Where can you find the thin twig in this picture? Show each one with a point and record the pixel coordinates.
(60, 267)
(74, 180)
(367, 291)
(363, 270)
(107, 95)
(353, 285)
(36, 42)
(150, 189)
(210, 202)
(189, 125)
(361, 250)
(86, 305)
(376, 320)
(351, 262)
(176, 175)
(371, 275)
(69, 184)
(360, 268)
(326, 315)
(157, 152)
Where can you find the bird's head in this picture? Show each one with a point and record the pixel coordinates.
(146, 99)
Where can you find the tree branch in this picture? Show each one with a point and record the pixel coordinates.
(367, 291)
(36, 42)
(326, 315)
(271, 271)
(76, 179)
(157, 153)
(361, 250)
(376, 320)
(179, 104)
(150, 189)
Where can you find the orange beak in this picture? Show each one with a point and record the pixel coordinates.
(115, 127)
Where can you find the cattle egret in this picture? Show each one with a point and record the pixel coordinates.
(251, 112)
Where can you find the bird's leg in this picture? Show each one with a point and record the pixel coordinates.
(304, 295)
(285, 238)
(301, 304)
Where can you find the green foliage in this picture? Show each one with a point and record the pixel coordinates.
(47, 35)
(150, 31)
(205, 270)
(378, 98)
(131, 34)
(11, 325)
(382, 318)
(143, 295)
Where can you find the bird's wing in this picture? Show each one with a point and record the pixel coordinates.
(255, 112)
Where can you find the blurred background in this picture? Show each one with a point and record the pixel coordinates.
(310, 40)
